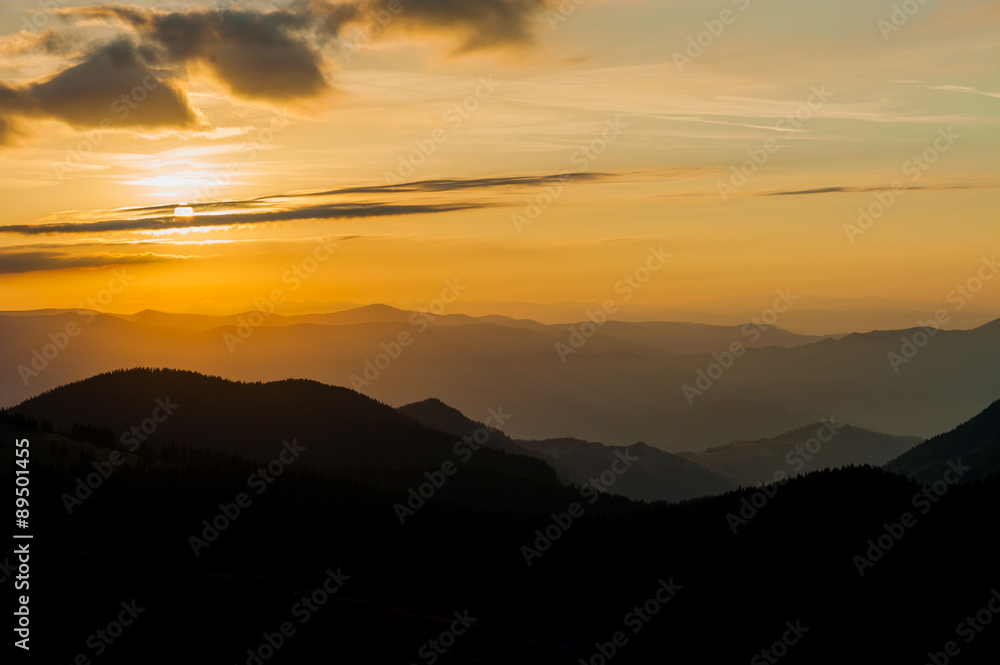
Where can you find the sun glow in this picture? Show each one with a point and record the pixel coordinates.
(184, 211)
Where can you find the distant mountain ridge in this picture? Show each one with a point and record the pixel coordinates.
(626, 383)
(653, 475)
(801, 450)
(975, 442)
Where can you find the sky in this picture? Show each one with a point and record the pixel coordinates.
(370, 150)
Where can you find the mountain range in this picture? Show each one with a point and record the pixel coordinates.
(628, 382)
(350, 435)
(563, 570)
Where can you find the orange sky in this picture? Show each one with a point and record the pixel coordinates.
(280, 129)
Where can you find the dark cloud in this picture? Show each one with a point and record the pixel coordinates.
(17, 261)
(274, 55)
(260, 55)
(6, 132)
(334, 15)
(277, 54)
(328, 211)
(113, 85)
(308, 206)
(474, 24)
(458, 184)
(414, 187)
(13, 102)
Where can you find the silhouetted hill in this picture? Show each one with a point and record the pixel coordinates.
(799, 451)
(794, 559)
(435, 414)
(641, 472)
(976, 442)
(341, 430)
(653, 476)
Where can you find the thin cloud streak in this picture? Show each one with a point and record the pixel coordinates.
(328, 212)
(864, 190)
(15, 262)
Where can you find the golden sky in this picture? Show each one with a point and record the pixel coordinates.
(535, 153)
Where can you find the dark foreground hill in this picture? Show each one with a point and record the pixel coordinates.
(715, 580)
(851, 565)
(339, 430)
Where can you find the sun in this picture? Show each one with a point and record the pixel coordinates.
(184, 211)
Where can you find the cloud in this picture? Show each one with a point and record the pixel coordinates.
(19, 261)
(474, 24)
(458, 184)
(114, 84)
(6, 132)
(258, 55)
(864, 190)
(25, 42)
(12, 101)
(298, 207)
(277, 54)
(413, 187)
(964, 89)
(165, 222)
(111, 86)
(271, 55)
